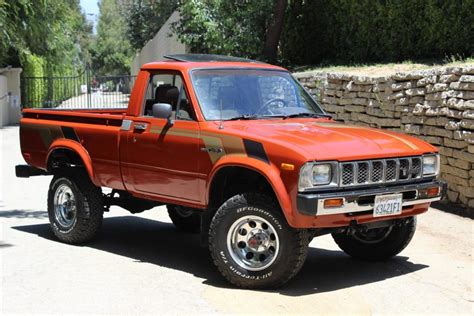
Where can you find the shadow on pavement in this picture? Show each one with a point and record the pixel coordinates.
(454, 208)
(23, 214)
(145, 240)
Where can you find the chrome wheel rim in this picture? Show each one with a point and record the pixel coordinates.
(373, 236)
(65, 206)
(253, 243)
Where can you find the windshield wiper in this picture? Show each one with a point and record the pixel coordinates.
(306, 114)
(242, 117)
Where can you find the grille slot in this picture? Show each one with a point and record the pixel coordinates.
(377, 171)
(380, 171)
(391, 173)
(416, 167)
(347, 174)
(362, 172)
(404, 170)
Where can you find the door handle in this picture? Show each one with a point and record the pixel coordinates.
(140, 126)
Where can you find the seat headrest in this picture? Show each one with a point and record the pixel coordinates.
(167, 93)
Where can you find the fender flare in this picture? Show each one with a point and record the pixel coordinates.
(79, 150)
(269, 171)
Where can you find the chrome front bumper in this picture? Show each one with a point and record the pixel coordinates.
(361, 200)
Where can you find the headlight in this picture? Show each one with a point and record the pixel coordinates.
(321, 174)
(316, 174)
(430, 165)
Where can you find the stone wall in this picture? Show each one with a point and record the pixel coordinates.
(434, 105)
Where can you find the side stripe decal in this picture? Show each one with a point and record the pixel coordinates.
(255, 150)
(69, 133)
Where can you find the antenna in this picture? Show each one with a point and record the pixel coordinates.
(221, 126)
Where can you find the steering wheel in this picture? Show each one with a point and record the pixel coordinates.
(266, 105)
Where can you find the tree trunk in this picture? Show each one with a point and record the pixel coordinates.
(270, 50)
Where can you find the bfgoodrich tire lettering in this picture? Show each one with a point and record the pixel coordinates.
(292, 243)
(85, 220)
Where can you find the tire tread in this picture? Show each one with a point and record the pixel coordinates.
(86, 226)
(299, 241)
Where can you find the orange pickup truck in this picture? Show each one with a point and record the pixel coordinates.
(238, 151)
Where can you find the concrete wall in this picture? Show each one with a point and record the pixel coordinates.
(4, 100)
(10, 110)
(434, 105)
(163, 43)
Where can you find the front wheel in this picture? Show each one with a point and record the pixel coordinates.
(252, 245)
(378, 243)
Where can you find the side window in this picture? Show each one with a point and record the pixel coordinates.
(168, 88)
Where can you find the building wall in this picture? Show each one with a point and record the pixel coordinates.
(3, 101)
(434, 105)
(10, 110)
(163, 43)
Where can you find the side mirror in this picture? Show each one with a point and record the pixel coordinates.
(163, 110)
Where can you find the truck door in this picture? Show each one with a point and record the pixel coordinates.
(159, 160)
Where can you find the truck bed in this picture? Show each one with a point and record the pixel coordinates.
(96, 130)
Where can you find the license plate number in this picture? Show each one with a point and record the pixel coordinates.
(386, 205)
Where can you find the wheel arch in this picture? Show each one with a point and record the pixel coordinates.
(68, 152)
(255, 173)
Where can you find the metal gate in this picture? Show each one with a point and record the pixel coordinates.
(83, 91)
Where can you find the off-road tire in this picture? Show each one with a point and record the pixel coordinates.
(293, 243)
(395, 241)
(89, 207)
(190, 223)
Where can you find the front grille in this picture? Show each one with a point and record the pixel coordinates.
(380, 171)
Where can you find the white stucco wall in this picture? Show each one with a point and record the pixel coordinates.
(3, 101)
(162, 44)
(10, 111)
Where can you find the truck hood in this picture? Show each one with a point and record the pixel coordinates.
(329, 140)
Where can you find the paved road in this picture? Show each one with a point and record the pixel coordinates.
(140, 264)
(102, 100)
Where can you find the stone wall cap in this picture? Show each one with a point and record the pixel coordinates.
(10, 69)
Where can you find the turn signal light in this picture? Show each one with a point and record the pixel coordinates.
(333, 203)
(432, 192)
(287, 166)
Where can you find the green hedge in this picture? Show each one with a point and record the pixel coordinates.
(32, 90)
(45, 84)
(347, 31)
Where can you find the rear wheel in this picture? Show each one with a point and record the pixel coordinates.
(184, 218)
(75, 207)
(252, 244)
(378, 243)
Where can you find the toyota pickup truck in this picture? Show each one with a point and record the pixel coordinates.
(239, 151)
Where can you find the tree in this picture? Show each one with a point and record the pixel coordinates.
(270, 49)
(232, 27)
(144, 18)
(112, 52)
(42, 34)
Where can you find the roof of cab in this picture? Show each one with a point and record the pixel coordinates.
(192, 61)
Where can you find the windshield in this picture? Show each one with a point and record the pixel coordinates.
(251, 93)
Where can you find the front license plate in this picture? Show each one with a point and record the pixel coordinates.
(386, 205)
